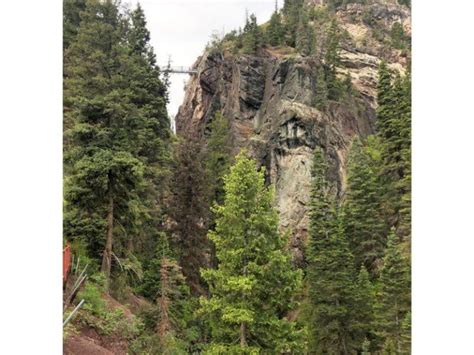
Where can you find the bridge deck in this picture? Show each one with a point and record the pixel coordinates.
(179, 70)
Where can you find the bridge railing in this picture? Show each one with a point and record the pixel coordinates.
(181, 69)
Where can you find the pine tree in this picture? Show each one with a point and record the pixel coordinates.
(402, 88)
(275, 31)
(332, 60)
(252, 36)
(330, 272)
(116, 134)
(363, 218)
(188, 210)
(364, 315)
(303, 34)
(291, 11)
(252, 289)
(394, 130)
(71, 20)
(321, 95)
(332, 293)
(406, 334)
(393, 299)
(173, 309)
(322, 213)
(218, 156)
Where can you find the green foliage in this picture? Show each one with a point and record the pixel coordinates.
(291, 11)
(188, 209)
(363, 214)
(321, 95)
(322, 205)
(252, 289)
(398, 37)
(394, 131)
(150, 285)
(275, 30)
(304, 36)
(407, 3)
(96, 314)
(364, 318)
(340, 303)
(71, 19)
(406, 334)
(218, 155)
(330, 275)
(252, 36)
(92, 295)
(394, 297)
(117, 126)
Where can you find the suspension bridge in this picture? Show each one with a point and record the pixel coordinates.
(179, 70)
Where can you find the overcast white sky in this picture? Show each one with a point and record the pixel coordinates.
(181, 28)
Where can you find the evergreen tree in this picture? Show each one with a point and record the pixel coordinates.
(188, 209)
(330, 271)
(321, 95)
(291, 11)
(252, 289)
(364, 315)
(71, 19)
(394, 130)
(402, 88)
(321, 214)
(363, 217)
(393, 299)
(218, 156)
(275, 31)
(170, 314)
(303, 34)
(116, 136)
(406, 334)
(332, 293)
(252, 36)
(332, 60)
(150, 284)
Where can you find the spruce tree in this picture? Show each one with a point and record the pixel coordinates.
(321, 95)
(322, 213)
(218, 155)
(71, 19)
(394, 131)
(291, 11)
(364, 316)
(406, 334)
(116, 134)
(252, 289)
(332, 60)
(332, 293)
(252, 36)
(363, 218)
(303, 35)
(330, 272)
(188, 210)
(275, 31)
(394, 296)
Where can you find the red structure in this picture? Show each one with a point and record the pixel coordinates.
(66, 262)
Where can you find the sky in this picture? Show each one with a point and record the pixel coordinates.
(182, 28)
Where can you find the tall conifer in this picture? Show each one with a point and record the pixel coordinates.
(253, 287)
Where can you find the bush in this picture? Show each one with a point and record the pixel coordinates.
(92, 295)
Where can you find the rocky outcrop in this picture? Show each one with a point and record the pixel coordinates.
(269, 100)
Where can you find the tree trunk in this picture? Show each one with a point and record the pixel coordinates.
(107, 257)
(243, 340)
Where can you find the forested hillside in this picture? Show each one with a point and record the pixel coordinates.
(277, 220)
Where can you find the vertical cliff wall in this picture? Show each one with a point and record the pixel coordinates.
(269, 100)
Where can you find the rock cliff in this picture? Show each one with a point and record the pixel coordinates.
(268, 98)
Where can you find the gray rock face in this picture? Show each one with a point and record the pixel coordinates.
(268, 100)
